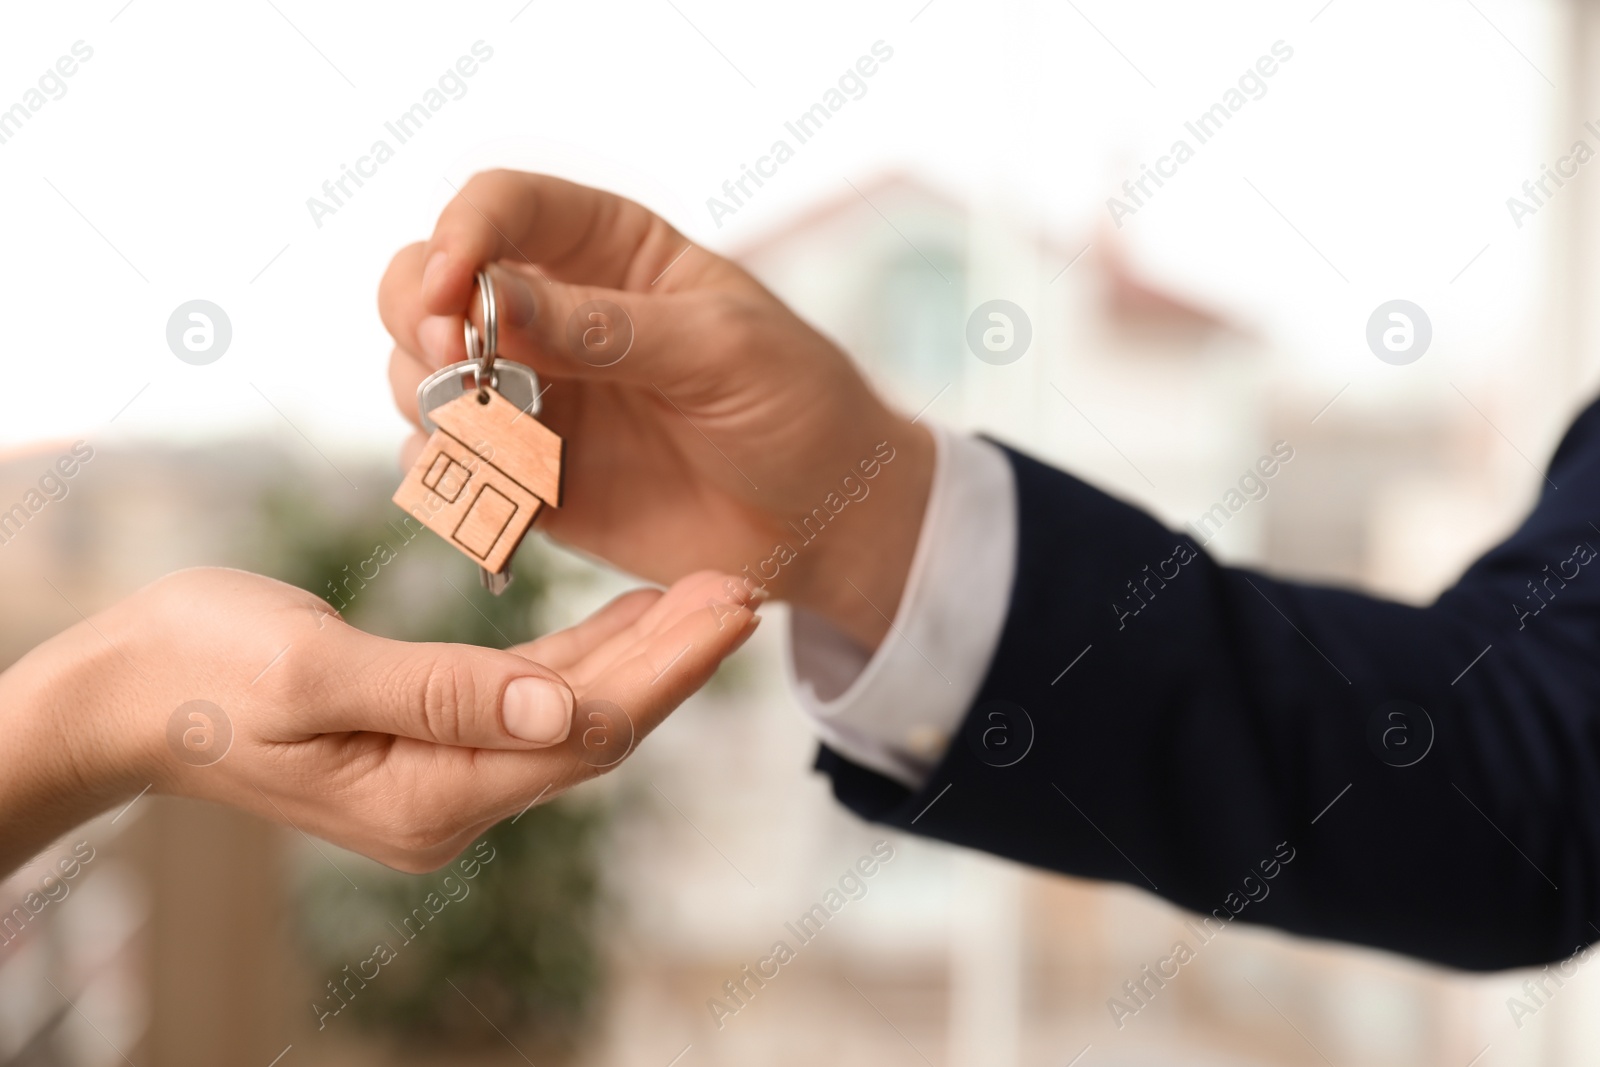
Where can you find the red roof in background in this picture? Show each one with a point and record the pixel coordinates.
(1130, 298)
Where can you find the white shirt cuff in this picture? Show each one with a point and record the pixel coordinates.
(896, 709)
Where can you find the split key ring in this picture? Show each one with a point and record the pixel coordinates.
(481, 348)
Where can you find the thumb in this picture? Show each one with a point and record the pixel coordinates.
(446, 694)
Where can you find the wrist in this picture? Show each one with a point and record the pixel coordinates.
(858, 576)
(69, 760)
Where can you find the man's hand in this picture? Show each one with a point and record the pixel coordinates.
(403, 752)
(723, 438)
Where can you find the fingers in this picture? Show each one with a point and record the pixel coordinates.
(706, 590)
(671, 665)
(560, 329)
(601, 334)
(673, 643)
(564, 648)
(456, 695)
(573, 232)
(644, 687)
(411, 448)
(652, 666)
(406, 372)
(570, 246)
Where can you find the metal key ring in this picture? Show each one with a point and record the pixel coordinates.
(481, 346)
(490, 309)
(491, 328)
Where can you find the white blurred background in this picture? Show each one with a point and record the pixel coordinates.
(1228, 313)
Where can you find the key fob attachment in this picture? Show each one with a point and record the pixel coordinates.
(490, 467)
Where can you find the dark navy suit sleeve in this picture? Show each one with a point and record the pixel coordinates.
(1432, 774)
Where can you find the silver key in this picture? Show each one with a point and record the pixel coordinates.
(514, 381)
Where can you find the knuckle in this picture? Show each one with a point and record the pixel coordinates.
(405, 266)
(291, 676)
(183, 591)
(448, 697)
(292, 673)
(480, 201)
(477, 183)
(492, 176)
(503, 176)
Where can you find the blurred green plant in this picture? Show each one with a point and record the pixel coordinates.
(517, 941)
(388, 576)
(521, 946)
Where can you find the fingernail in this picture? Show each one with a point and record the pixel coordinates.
(534, 709)
(437, 335)
(517, 306)
(432, 267)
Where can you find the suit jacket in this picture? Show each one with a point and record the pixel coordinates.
(1420, 779)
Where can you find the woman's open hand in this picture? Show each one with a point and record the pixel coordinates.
(235, 688)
